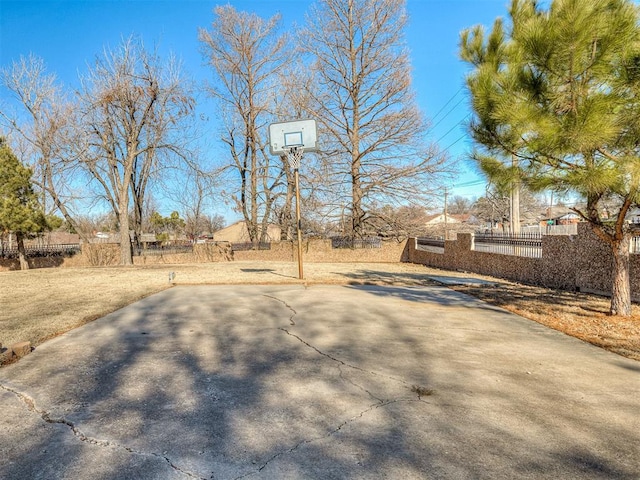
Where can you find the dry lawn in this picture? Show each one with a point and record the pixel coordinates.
(40, 304)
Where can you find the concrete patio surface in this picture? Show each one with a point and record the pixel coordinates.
(318, 382)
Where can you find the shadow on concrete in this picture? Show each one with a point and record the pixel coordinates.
(215, 382)
(376, 277)
(438, 295)
(266, 270)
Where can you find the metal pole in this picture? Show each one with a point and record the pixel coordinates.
(515, 201)
(446, 236)
(300, 271)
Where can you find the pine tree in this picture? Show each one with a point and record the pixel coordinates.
(557, 90)
(20, 212)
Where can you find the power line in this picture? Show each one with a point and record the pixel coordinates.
(448, 102)
(457, 140)
(461, 122)
(447, 114)
(468, 184)
(451, 129)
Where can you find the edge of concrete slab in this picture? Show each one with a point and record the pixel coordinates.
(468, 281)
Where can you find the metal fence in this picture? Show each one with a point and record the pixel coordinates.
(521, 245)
(164, 249)
(34, 251)
(430, 244)
(355, 243)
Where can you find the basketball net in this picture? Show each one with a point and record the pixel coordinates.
(294, 155)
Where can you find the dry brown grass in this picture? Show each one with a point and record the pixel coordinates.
(40, 304)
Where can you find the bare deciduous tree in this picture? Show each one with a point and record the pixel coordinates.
(246, 52)
(362, 97)
(399, 223)
(132, 109)
(42, 130)
(196, 199)
(495, 207)
(459, 205)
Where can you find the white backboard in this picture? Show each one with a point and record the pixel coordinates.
(299, 133)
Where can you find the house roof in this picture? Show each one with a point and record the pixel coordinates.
(237, 232)
(451, 218)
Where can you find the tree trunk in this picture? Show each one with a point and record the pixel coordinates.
(621, 290)
(126, 257)
(22, 255)
(357, 212)
(137, 224)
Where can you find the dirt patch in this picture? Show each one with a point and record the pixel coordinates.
(43, 303)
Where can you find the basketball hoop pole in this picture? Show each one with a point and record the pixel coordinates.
(295, 155)
(300, 272)
(291, 139)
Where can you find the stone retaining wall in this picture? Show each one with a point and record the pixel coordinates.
(76, 260)
(318, 251)
(579, 262)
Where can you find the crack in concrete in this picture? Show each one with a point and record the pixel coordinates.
(329, 434)
(358, 386)
(380, 403)
(293, 312)
(341, 362)
(292, 322)
(46, 416)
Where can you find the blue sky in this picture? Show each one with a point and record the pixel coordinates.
(69, 34)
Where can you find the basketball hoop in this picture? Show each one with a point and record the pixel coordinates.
(292, 139)
(294, 155)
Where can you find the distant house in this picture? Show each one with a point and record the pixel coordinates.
(559, 216)
(439, 218)
(463, 218)
(634, 215)
(435, 224)
(238, 233)
(568, 218)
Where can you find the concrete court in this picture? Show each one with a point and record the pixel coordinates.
(320, 382)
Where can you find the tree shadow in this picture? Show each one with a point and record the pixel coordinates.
(215, 382)
(436, 294)
(265, 270)
(376, 277)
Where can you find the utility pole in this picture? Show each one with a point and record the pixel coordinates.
(446, 193)
(514, 214)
